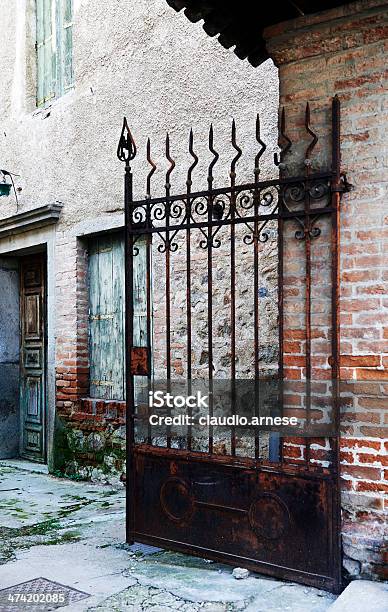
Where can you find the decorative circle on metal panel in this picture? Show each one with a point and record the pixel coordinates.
(176, 500)
(269, 516)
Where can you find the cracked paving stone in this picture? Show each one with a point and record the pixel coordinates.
(157, 600)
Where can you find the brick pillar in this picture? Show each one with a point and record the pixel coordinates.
(72, 362)
(344, 51)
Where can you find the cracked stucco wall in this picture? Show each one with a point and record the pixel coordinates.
(139, 59)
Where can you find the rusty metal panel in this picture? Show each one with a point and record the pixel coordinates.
(273, 522)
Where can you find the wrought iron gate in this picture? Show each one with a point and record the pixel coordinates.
(264, 500)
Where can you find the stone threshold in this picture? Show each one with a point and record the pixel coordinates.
(25, 465)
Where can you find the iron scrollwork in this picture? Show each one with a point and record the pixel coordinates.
(245, 204)
(300, 192)
(303, 199)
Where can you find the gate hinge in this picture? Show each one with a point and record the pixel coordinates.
(343, 186)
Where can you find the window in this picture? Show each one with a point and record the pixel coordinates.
(54, 48)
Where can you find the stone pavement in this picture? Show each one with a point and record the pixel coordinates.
(72, 533)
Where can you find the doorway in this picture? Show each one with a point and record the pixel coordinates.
(33, 325)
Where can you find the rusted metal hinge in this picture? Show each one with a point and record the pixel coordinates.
(343, 186)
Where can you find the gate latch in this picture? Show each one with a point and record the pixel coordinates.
(139, 361)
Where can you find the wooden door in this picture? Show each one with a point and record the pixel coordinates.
(106, 317)
(33, 358)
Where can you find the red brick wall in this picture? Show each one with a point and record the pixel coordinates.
(344, 52)
(72, 365)
(90, 434)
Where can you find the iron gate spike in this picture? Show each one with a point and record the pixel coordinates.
(261, 151)
(237, 156)
(152, 171)
(278, 159)
(310, 131)
(126, 149)
(172, 164)
(194, 156)
(215, 159)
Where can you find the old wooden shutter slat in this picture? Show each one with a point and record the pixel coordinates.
(45, 49)
(40, 50)
(117, 340)
(140, 296)
(94, 328)
(106, 353)
(67, 45)
(49, 52)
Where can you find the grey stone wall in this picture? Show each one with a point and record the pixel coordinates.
(9, 358)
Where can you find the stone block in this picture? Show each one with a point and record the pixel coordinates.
(362, 595)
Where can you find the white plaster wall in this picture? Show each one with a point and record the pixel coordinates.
(140, 59)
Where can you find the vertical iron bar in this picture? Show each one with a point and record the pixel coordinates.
(168, 306)
(335, 244)
(210, 312)
(233, 283)
(148, 278)
(188, 314)
(256, 314)
(281, 317)
(168, 279)
(189, 183)
(281, 230)
(130, 397)
(308, 324)
(149, 326)
(148, 273)
(211, 216)
(256, 317)
(308, 281)
(126, 152)
(233, 308)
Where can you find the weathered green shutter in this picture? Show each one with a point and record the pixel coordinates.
(54, 48)
(40, 51)
(67, 45)
(45, 47)
(107, 313)
(106, 317)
